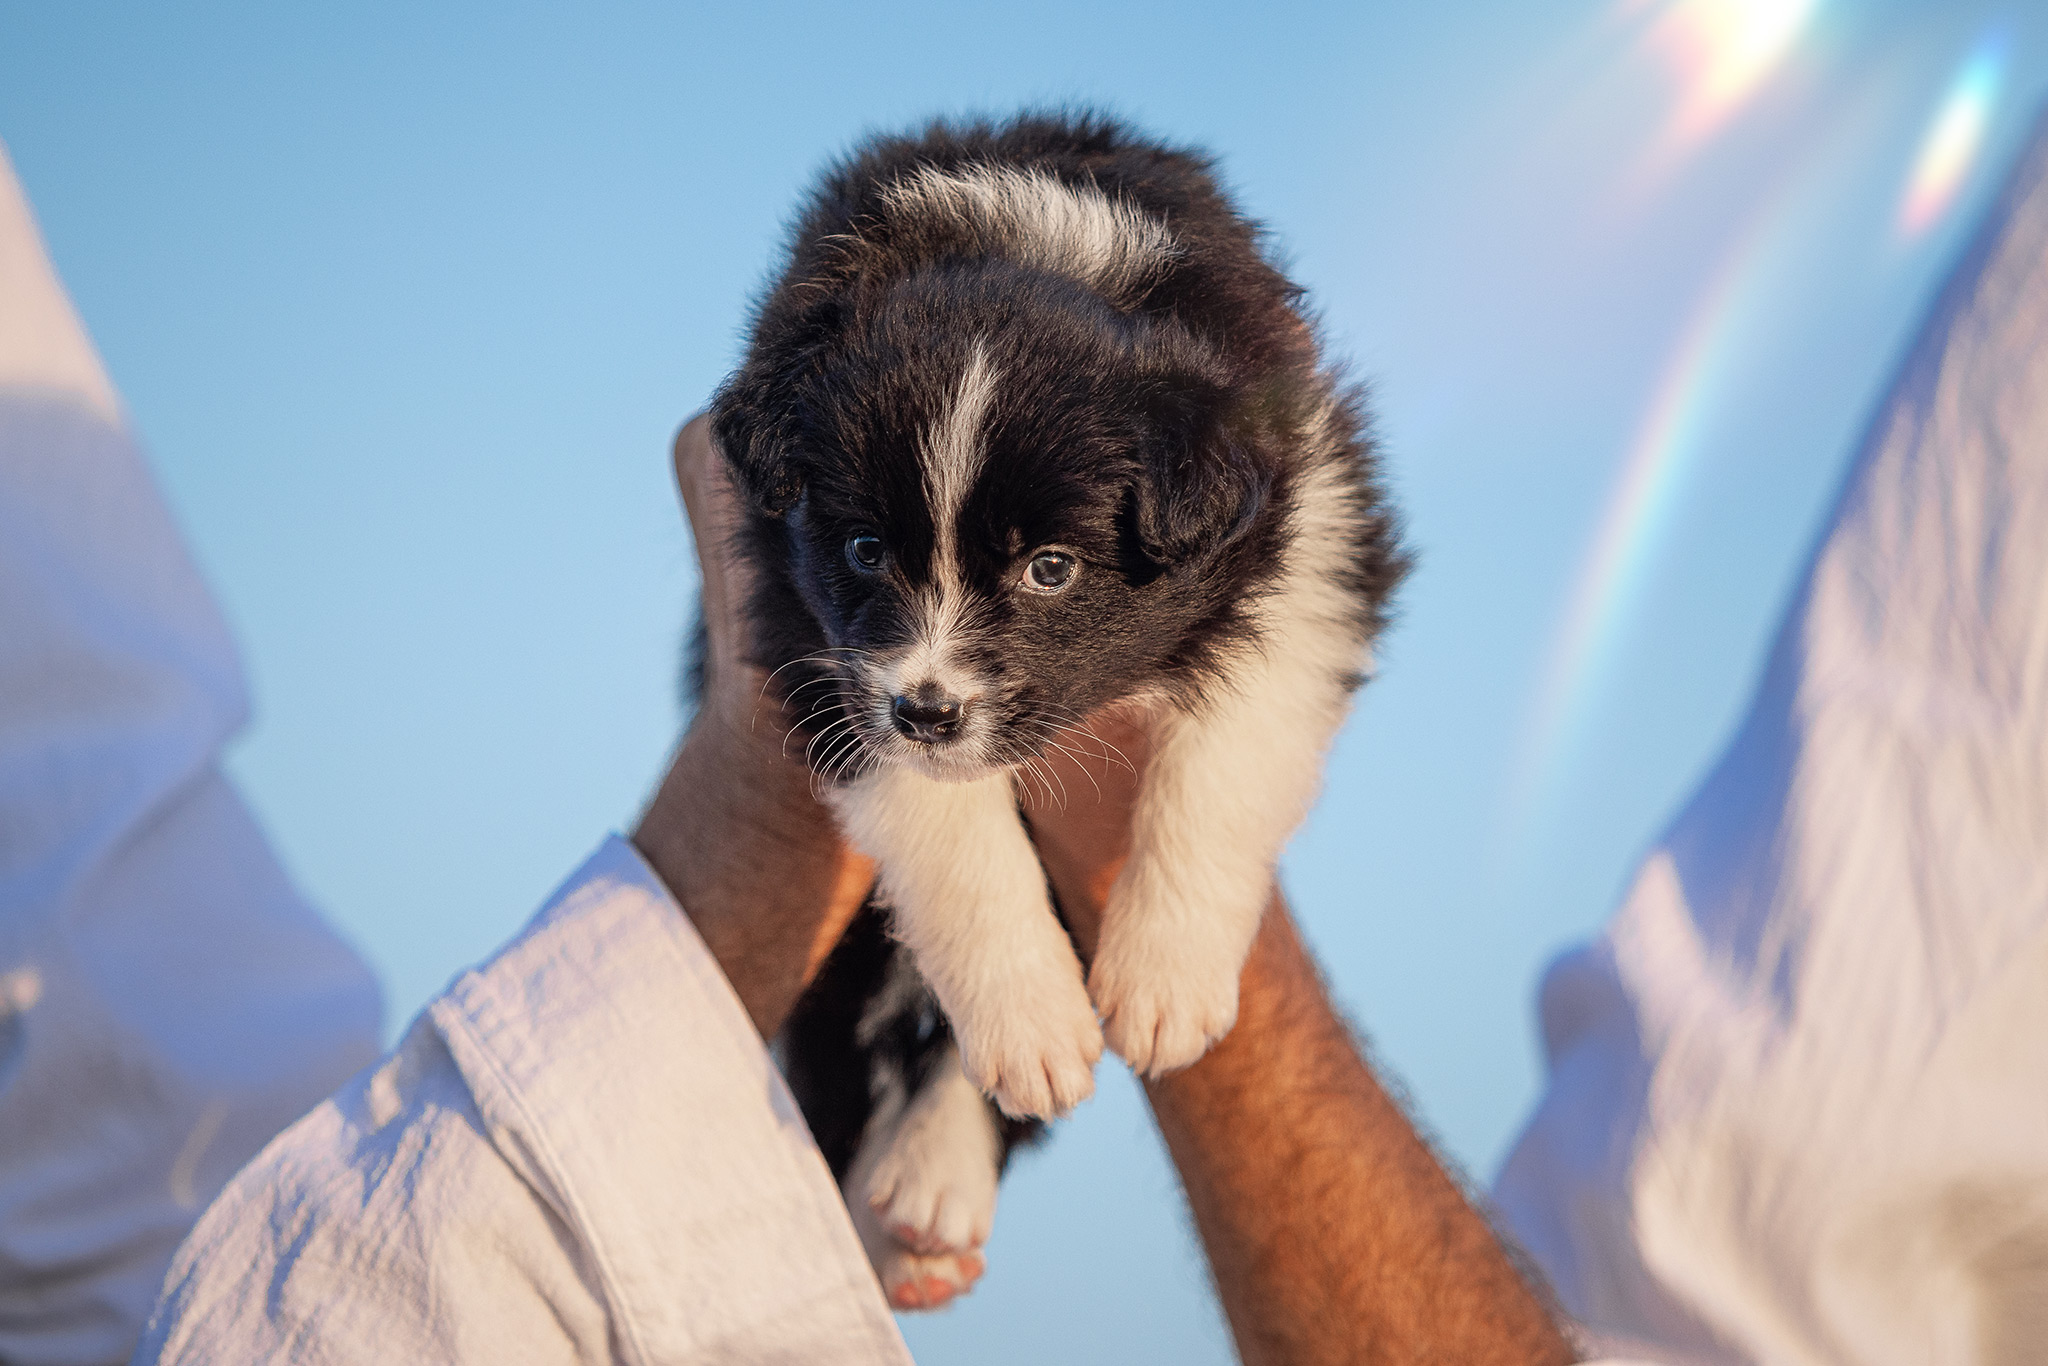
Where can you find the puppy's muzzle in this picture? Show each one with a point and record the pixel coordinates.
(928, 716)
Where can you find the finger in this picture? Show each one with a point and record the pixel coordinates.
(713, 509)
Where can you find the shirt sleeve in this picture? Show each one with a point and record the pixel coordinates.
(168, 1001)
(581, 1152)
(1796, 1109)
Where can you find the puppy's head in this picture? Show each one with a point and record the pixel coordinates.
(1001, 497)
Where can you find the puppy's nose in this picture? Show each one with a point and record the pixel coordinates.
(928, 718)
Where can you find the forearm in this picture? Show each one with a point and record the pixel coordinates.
(1333, 1232)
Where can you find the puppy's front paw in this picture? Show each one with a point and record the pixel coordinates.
(1035, 1057)
(1160, 1016)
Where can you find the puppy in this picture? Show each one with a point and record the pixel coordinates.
(1030, 425)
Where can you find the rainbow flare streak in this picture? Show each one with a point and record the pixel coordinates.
(1751, 37)
(1722, 51)
(1640, 509)
(1954, 140)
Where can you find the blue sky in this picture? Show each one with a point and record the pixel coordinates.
(406, 303)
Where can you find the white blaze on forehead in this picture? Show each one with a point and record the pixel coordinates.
(1039, 220)
(954, 450)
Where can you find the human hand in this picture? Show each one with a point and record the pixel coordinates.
(732, 684)
(737, 802)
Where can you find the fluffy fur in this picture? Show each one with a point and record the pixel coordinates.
(1030, 425)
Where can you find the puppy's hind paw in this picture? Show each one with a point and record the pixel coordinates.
(933, 1186)
(911, 1279)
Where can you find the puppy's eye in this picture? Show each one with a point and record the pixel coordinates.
(1050, 571)
(866, 553)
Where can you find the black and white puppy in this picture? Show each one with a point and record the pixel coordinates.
(1030, 425)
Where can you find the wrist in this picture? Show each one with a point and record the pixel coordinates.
(753, 860)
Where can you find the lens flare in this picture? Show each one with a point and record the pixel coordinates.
(1641, 506)
(1953, 141)
(1722, 51)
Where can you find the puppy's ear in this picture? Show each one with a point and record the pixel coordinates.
(1199, 486)
(756, 445)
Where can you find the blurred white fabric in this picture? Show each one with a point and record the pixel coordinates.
(580, 1153)
(1798, 1098)
(167, 1000)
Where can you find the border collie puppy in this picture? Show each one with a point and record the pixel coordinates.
(1031, 425)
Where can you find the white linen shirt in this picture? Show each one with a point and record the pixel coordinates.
(168, 1002)
(1798, 1098)
(581, 1152)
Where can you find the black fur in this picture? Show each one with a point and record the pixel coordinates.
(1158, 427)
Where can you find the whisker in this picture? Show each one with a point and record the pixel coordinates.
(816, 657)
(862, 758)
(1056, 778)
(796, 728)
(799, 689)
(1031, 769)
(1024, 774)
(847, 748)
(843, 725)
(870, 762)
(820, 657)
(1051, 774)
(1110, 753)
(1078, 764)
(843, 758)
(1103, 748)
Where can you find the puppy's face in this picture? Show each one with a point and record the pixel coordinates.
(985, 495)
